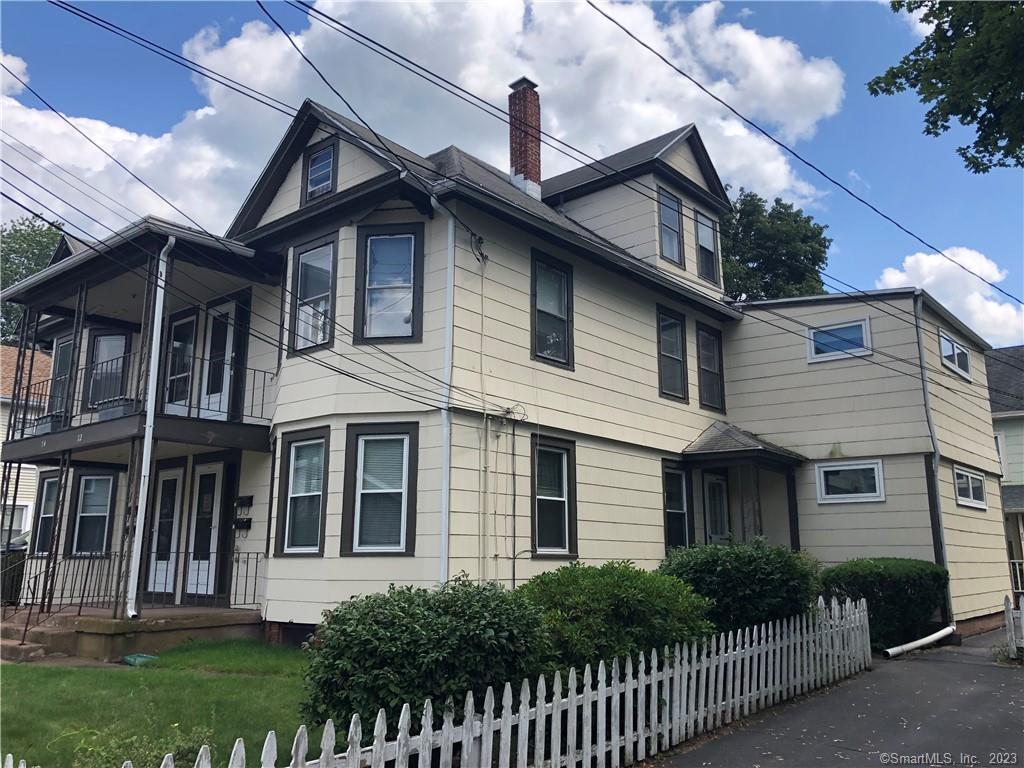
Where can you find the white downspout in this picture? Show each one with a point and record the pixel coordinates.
(446, 415)
(147, 437)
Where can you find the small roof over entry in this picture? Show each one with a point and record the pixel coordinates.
(724, 444)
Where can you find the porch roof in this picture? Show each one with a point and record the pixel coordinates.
(724, 443)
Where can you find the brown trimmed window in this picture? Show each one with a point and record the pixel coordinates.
(676, 510)
(302, 506)
(106, 368)
(670, 222)
(551, 332)
(319, 170)
(554, 497)
(46, 504)
(389, 284)
(92, 506)
(672, 377)
(707, 248)
(711, 379)
(379, 509)
(313, 295)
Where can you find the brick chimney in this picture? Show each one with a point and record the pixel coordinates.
(524, 136)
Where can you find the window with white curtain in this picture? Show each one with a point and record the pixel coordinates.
(389, 286)
(305, 496)
(381, 493)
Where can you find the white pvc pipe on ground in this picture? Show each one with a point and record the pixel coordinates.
(899, 650)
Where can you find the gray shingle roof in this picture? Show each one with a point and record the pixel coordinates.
(722, 437)
(620, 161)
(1013, 498)
(1004, 375)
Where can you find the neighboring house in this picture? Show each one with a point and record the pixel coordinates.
(17, 514)
(354, 390)
(1006, 375)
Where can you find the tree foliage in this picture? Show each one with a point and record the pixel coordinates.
(771, 253)
(968, 68)
(26, 245)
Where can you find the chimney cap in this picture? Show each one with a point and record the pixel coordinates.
(523, 82)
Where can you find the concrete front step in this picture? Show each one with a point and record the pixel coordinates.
(13, 650)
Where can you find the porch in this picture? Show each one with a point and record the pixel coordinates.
(139, 507)
(742, 487)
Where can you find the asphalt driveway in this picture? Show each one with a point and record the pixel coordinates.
(947, 706)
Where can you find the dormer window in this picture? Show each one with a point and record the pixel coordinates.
(707, 249)
(670, 220)
(319, 170)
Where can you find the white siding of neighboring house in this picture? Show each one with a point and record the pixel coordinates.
(28, 480)
(1012, 431)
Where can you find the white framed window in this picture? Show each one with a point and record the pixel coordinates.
(838, 341)
(47, 512)
(314, 278)
(305, 496)
(1000, 439)
(382, 489)
(551, 515)
(93, 514)
(841, 482)
(389, 286)
(955, 355)
(14, 520)
(970, 488)
(320, 173)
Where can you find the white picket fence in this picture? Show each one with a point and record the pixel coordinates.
(662, 700)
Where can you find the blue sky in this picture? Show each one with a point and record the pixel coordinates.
(874, 144)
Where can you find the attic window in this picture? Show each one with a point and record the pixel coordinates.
(707, 249)
(955, 355)
(319, 170)
(669, 216)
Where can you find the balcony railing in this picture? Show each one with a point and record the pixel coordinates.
(1017, 577)
(199, 388)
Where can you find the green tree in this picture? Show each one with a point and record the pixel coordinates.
(26, 245)
(771, 253)
(970, 67)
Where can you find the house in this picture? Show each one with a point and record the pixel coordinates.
(17, 514)
(1006, 374)
(396, 368)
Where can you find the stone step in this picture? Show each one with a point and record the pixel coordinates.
(13, 650)
(55, 639)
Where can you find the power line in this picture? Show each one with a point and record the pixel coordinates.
(188, 297)
(382, 143)
(795, 154)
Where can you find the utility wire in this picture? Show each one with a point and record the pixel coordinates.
(796, 154)
(382, 143)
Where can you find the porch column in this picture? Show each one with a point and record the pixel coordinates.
(794, 518)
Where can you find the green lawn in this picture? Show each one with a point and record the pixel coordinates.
(234, 688)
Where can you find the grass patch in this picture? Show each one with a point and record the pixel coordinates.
(234, 688)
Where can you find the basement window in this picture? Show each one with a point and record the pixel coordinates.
(970, 488)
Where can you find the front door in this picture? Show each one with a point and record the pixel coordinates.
(163, 552)
(218, 359)
(202, 545)
(716, 509)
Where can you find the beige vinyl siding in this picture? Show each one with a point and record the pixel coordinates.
(354, 166)
(306, 387)
(1012, 431)
(848, 407)
(975, 548)
(680, 156)
(960, 409)
(613, 391)
(625, 214)
(619, 501)
(899, 526)
(299, 589)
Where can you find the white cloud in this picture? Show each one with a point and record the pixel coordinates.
(856, 178)
(599, 91)
(744, 13)
(9, 86)
(978, 304)
(912, 19)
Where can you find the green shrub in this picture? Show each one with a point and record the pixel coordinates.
(614, 610)
(902, 595)
(748, 583)
(113, 745)
(384, 650)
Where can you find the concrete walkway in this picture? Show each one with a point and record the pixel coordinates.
(955, 702)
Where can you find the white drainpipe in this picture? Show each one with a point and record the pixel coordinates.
(147, 438)
(899, 650)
